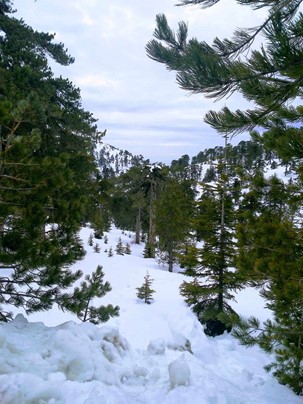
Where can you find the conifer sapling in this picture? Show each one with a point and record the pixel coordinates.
(90, 240)
(110, 252)
(127, 249)
(92, 287)
(97, 248)
(145, 292)
(119, 247)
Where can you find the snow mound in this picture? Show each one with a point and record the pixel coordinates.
(179, 372)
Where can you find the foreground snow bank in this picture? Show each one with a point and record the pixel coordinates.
(127, 361)
(82, 363)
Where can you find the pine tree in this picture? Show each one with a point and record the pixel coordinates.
(174, 207)
(270, 78)
(270, 253)
(92, 287)
(90, 240)
(110, 252)
(119, 247)
(128, 202)
(153, 176)
(215, 259)
(97, 248)
(47, 170)
(145, 291)
(127, 249)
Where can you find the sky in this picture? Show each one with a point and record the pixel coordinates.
(134, 98)
(136, 358)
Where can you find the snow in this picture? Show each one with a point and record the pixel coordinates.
(156, 353)
(179, 372)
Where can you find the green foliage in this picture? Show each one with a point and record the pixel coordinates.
(271, 78)
(210, 175)
(188, 257)
(284, 340)
(127, 198)
(47, 171)
(82, 298)
(110, 252)
(270, 253)
(174, 208)
(97, 248)
(90, 240)
(127, 249)
(213, 261)
(145, 291)
(119, 247)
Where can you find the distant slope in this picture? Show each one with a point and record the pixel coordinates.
(113, 161)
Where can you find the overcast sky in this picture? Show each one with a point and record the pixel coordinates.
(136, 99)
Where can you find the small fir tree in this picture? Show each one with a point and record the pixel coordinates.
(127, 249)
(145, 292)
(110, 252)
(90, 240)
(81, 302)
(97, 248)
(105, 239)
(119, 247)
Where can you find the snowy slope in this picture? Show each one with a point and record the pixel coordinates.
(126, 360)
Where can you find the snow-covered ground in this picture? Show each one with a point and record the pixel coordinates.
(51, 358)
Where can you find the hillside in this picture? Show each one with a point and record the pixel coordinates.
(126, 361)
(248, 155)
(113, 161)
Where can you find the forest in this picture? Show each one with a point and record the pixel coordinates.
(231, 216)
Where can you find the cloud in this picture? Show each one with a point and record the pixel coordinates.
(136, 99)
(95, 81)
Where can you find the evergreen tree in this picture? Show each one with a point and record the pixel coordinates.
(92, 287)
(270, 78)
(128, 202)
(110, 252)
(127, 249)
(174, 208)
(210, 174)
(270, 253)
(215, 259)
(97, 248)
(47, 170)
(213, 262)
(119, 247)
(154, 175)
(145, 291)
(90, 240)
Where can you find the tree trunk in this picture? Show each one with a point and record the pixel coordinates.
(138, 226)
(222, 235)
(170, 258)
(151, 242)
